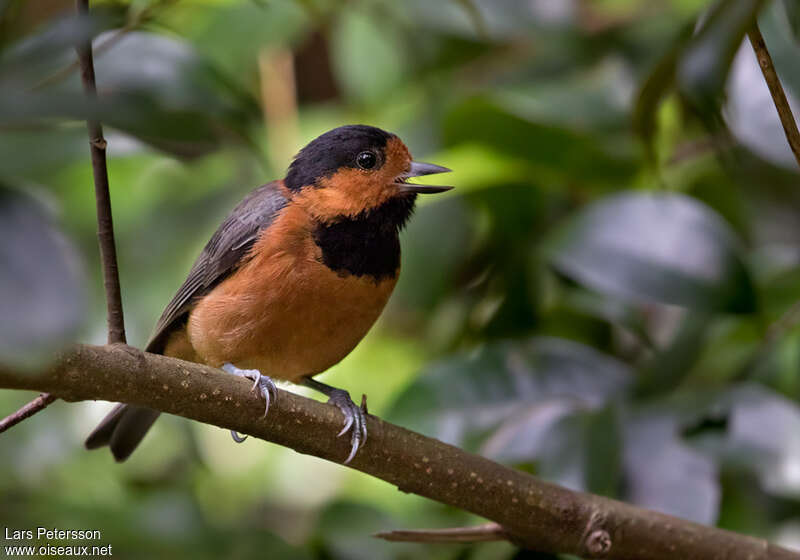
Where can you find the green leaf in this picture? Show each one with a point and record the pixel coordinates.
(367, 56)
(665, 474)
(764, 434)
(665, 247)
(36, 56)
(155, 88)
(792, 8)
(164, 92)
(603, 451)
(42, 287)
(703, 68)
(658, 83)
(668, 367)
(515, 388)
(450, 222)
(232, 35)
(554, 149)
(577, 448)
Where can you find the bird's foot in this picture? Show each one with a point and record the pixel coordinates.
(265, 384)
(355, 420)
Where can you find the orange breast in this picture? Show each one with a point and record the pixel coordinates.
(284, 312)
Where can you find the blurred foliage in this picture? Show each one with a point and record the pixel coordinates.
(607, 300)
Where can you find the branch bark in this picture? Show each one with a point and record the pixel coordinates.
(776, 90)
(535, 514)
(478, 533)
(39, 403)
(105, 226)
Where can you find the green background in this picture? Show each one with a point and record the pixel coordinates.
(608, 299)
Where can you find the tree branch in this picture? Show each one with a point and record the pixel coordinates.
(39, 403)
(105, 226)
(776, 90)
(535, 514)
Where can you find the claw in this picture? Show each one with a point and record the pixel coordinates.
(355, 417)
(354, 421)
(236, 437)
(267, 387)
(347, 422)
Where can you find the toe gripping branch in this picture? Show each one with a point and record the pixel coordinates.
(266, 387)
(355, 420)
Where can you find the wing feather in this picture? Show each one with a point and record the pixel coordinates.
(223, 253)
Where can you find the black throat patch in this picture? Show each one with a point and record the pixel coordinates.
(367, 244)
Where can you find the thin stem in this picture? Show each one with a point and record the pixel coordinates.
(776, 90)
(105, 226)
(39, 403)
(479, 533)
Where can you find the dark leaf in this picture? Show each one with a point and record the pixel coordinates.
(762, 435)
(520, 387)
(627, 315)
(33, 58)
(703, 68)
(663, 473)
(42, 288)
(662, 247)
(153, 87)
(792, 8)
(580, 449)
(658, 83)
(668, 367)
(603, 451)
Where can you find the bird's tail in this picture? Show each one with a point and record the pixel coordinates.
(122, 429)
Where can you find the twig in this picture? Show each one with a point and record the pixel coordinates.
(105, 226)
(479, 533)
(39, 403)
(536, 514)
(776, 90)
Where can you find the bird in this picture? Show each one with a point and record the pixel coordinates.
(293, 278)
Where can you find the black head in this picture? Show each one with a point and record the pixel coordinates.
(354, 146)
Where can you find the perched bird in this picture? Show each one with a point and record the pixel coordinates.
(293, 278)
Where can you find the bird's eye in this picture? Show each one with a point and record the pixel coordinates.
(366, 160)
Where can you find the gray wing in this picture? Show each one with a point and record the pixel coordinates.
(221, 256)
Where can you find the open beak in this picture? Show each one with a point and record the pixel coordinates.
(419, 169)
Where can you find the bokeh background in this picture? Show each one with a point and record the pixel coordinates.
(609, 299)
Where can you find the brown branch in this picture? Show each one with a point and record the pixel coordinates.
(776, 90)
(479, 533)
(535, 514)
(39, 403)
(105, 226)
